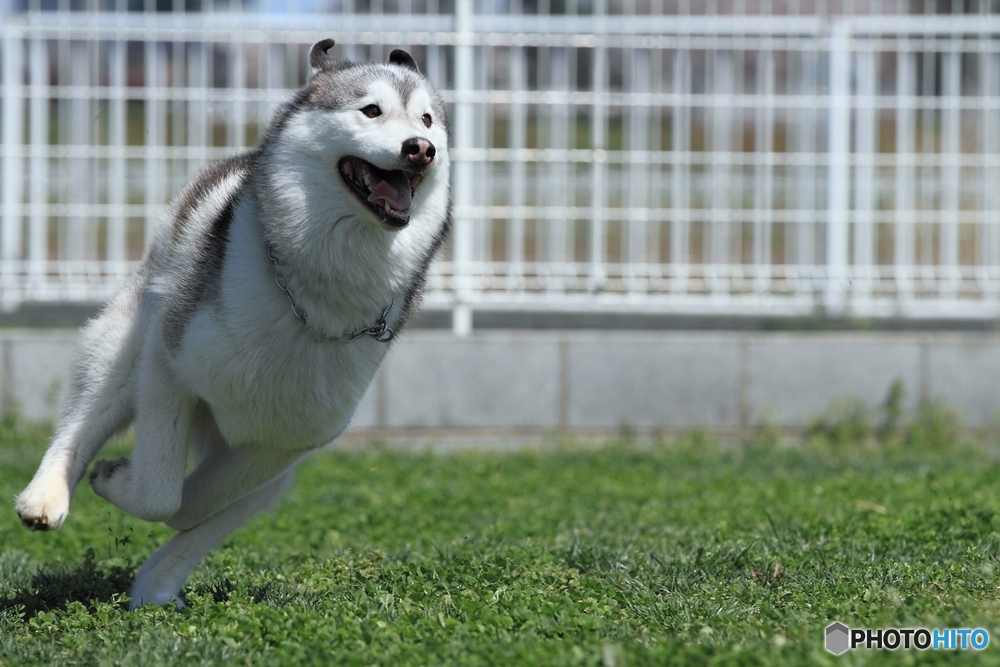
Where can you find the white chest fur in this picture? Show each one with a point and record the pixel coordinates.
(266, 379)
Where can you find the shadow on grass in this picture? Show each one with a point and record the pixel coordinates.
(54, 589)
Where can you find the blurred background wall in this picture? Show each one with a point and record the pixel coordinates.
(619, 165)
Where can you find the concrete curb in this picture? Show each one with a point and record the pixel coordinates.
(602, 381)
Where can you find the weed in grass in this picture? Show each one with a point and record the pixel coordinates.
(766, 435)
(700, 438)
(937, 427)
(845, 422)
(892, 412)
(848, 422)
(626, 432)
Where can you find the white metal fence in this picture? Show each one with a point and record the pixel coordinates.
(732, 164)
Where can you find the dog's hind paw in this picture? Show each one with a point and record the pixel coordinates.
(104, 472)
(43, 505)
(156, 599)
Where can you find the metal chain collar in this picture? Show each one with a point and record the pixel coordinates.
(380, 331)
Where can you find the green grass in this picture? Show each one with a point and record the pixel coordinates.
(682, 553)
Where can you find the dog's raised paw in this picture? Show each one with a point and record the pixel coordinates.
(42, 509)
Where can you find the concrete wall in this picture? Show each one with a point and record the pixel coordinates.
(535, 381)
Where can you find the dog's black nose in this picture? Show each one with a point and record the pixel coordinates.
(419, 151)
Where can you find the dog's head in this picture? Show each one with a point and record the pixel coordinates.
(379, 130)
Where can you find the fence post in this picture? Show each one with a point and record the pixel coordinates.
(598, 139)
(461, 314)
(12, 189)
(838, 184)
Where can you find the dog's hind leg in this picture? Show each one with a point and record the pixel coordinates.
(148, 485)
(162, 575)
(226, 476)
(100, 403)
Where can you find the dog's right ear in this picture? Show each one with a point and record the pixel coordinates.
(319, 58)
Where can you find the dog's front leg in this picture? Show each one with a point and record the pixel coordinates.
(100, 402)
(149, 484)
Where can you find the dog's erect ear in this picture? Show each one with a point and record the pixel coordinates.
(401, 57)
(319, 59)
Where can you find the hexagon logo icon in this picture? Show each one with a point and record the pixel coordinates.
(837, 638)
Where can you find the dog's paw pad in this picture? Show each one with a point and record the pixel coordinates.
(35, 522)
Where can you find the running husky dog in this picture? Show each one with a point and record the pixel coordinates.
(259, 315)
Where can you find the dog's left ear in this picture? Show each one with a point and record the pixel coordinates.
(401, 57)
(319, 58)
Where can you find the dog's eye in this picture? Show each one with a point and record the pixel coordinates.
(372, 111)
(427, 120)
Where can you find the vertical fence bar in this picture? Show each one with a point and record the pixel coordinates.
(555, 217)
(517, 139)
(639, 166)
(461, 318)
(39, 166)
(905, 182)
(838, 181)
(273, 78)
(436, 66)
(764, 171)
(12, 188)
(178, 110)
(155, 138)
(951, 153)
(736, 270)
(722, 198)
(61, 186)
(237, 128)
(117, 143)
(198, 128)
(804, 137)
(79, 235)
(927, 173)
(680, 177)
(598, 144)
(989, 245)
(657, 199)
(865, 174)
(482, 227)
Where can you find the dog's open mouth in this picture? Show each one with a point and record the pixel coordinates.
(388, 194)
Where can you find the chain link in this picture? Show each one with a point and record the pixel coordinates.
(380, 331)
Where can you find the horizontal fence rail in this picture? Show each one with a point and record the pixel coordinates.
(729, 165)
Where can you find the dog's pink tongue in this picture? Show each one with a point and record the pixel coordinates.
(394, 190)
